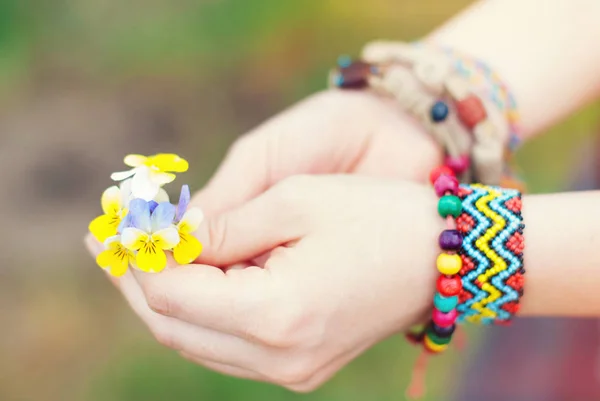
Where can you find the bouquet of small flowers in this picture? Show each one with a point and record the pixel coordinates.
(139, 224)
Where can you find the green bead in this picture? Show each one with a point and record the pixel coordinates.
(445, 304)
(449, 205)
(437, 339)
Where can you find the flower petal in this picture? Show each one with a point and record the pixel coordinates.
(142, 186)
(151, 259)
(152, 205)
(188, 249)
(168, 162)
(163, 216)
(161, 196)
(111, 240)
(134, 239)
(122, 175)
(184, 201)
(115, 260)
(125, 223)
(161, 178)
(166, 238)
(135, 160)
(102, 227)
(191, 220)
(125, 187)
(139, 210)
(111, 200)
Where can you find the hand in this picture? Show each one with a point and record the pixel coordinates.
(331, 132)
(353, 263)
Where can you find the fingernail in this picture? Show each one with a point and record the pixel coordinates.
(93, 246)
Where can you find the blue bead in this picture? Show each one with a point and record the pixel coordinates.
(338, 80)
(344, 61)
(439, 111)
(445, 304)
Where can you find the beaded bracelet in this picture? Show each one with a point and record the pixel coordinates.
(492, 254)
(424, 82)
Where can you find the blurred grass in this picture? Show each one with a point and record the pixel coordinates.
(216, 68)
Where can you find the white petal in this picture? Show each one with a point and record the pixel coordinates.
(161, 178)
(126, 192)
(192, 218)
(131, 238)
(161, 196)
(142, 186)
(122, 175)
(167, 238)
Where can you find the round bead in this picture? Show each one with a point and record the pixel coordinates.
(438, 340)
(439, 111)
(445, 304)
(449, 264)
(470, 111)
(458, 164)
(444, 319)
(354, 75)
(450, 240)
(442, 331)
(449, 205)
(446, 183)
(449, 286)
(433, 347)
(436, 172)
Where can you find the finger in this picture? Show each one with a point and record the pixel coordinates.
(273, 218)
(95, 248)
(205, 344)
(383, 51)
(232, 302)
(314, 137)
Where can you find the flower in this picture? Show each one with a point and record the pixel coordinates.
(116, 258)
(150, 234)
(150, 173)
(188, 221)
(113, 204)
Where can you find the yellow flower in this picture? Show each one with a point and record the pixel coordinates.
(116, 258)
(150, 234)
(150, 173)
(188, 221)
(113, 206)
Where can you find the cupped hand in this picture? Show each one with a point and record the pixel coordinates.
(350, 262)
(331, 132)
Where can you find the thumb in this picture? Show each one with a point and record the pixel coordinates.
(272, 219)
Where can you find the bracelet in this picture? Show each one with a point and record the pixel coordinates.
(492, 254)
(428, 84)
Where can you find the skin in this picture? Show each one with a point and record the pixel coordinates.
(305, 268)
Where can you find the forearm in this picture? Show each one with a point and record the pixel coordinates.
(562, 254)
(546, 51)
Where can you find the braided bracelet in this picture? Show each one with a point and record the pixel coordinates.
(492, 254)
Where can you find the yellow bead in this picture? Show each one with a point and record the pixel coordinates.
(449, 264)
(433, 346)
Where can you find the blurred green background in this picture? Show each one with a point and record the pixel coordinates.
(83, 82)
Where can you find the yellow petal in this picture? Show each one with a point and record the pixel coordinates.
(188, 249)
(103, 227)
(168, 162)
(166, 238)
(111, 200)
(134, 238)
(115, 259)
(151, 258)
(135, 160)
(191, 220)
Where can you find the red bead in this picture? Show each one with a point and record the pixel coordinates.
(449, 286)
(470, 111)
(458, 164)
(438, 171)
(445, 183)
(444, 319)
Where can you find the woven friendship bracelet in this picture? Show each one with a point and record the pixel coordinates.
(492, 254)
